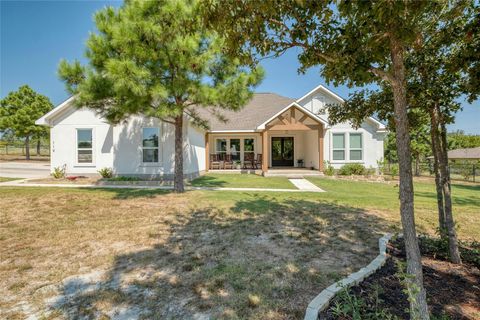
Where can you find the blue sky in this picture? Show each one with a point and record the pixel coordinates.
(35, 35)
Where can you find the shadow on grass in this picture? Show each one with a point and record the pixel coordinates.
(457, 200)
(264, 257)
(207, 181)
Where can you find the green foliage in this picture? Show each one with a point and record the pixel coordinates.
(349, 306)
(157, 59)
(106, 172)
(460, 140)
(329, 170)
(20, 109)
(352, 169)
(59, 172)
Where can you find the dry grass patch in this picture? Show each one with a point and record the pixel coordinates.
(150, 253)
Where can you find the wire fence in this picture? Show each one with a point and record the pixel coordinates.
(468, 171)
(18, 149)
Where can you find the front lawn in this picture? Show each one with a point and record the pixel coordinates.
(233, 180)
(218, 254)
(5, 179)
(382, 198)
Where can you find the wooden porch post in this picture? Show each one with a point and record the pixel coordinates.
(207, 152)
(264, 151)
(320, 148)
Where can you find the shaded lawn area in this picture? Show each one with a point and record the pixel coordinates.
(382, 199)
(227, 255)
(233, 180)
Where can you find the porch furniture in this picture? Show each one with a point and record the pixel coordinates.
(215, 161)
(300, 163)
(228, 162)
(257, 163)
(248, 160)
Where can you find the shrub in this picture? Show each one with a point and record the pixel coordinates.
(329, 170)
(352, 168)
(106, 172)
(59, 172)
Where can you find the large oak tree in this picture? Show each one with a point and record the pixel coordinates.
(355, 43)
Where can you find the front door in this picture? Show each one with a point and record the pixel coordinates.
(282, 151)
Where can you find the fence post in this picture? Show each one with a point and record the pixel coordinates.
(474, 171)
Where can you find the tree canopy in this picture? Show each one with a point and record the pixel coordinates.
(20, 109)
(157, 59)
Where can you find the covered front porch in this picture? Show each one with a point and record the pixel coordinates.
(290, 140)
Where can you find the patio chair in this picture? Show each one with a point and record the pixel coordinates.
(215, 162)
(248, 160)
(228, 162)
(257, 163)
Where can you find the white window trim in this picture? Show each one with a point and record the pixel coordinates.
(85, 164)
(345, 157)
(361, 149)
(242, 145)
(159, 162)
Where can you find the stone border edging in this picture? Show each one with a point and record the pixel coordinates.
(320, 302)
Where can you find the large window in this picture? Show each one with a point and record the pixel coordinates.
(84, 146)
(238, 148)
(248, 148)
(356, 146)
(150, 145)
(221, 147)
(338, 146)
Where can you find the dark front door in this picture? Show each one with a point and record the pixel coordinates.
(282, 151)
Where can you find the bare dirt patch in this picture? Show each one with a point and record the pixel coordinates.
(153, 254)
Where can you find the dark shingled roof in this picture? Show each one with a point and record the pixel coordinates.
(470, 153)
(261, 108)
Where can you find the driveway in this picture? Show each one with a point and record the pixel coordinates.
(23, 169)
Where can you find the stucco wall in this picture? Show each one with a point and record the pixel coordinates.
(120, 146)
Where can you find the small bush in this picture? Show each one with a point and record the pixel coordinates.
(59, 172)
(352, 168)
(329, 170)
(106, 172)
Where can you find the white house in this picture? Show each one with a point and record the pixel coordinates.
(271, 131)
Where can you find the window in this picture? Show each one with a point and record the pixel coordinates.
(248, 148)
(150, 145)
(338, 146)
(84, 146)
(221, 147)
(355, 146)
(235, 149)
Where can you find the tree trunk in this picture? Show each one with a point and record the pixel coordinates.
(178, 173)
(434, 136)
(417, 295)
(27, 147)
(417, 164)
(38, 147)
(447, 196)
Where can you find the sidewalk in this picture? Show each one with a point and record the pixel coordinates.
(23, 183)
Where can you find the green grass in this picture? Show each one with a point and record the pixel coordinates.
(241, 181)
(383, 198)
(4, 179)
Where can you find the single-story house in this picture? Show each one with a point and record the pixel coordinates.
(271, 131)
(465, 154)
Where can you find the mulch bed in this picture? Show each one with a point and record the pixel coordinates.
(453, 291)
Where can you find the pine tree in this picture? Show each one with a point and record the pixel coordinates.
(157, 59)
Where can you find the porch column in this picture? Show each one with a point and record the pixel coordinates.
(207, 152)
(264, 151)
(320, 148)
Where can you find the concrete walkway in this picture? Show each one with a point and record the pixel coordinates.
(305, 185)
(24, 183)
